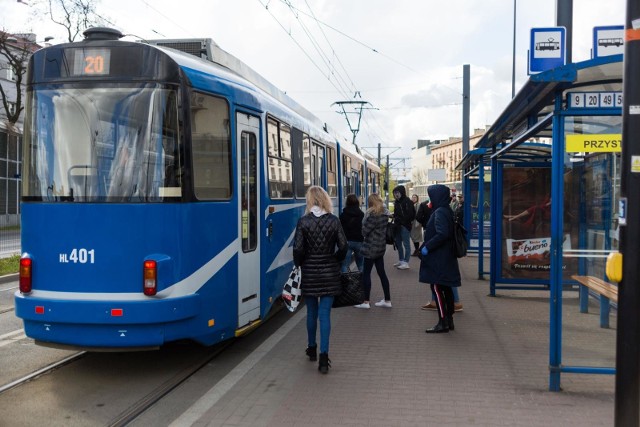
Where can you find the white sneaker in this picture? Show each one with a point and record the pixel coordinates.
(383, 303)
(395, 264)
(364, 305)
(403, 266)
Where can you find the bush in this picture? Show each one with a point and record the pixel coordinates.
(9, 265)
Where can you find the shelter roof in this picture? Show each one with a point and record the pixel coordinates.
(530, 112)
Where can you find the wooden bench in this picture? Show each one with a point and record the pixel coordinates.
(607, 291)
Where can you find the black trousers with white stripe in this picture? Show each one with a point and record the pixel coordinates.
(444, 300)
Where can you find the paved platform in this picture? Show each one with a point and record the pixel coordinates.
(386, 371)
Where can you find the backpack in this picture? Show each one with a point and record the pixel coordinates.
(390, 233)
(460, 239)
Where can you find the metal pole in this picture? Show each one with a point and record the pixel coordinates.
(388, 183)
(466, 107)
(480, 219)
(628, 331)
(379, 152)
(557, 216)
(513, 66)
(564, 18)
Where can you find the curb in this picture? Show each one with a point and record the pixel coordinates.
(9, 278)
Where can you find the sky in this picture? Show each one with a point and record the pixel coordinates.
(403, 57)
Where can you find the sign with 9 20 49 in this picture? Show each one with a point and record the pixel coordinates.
(594, 99)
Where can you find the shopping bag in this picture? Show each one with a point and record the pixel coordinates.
(291, 292)
(352, 292)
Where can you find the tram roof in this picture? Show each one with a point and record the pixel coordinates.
(529, 113)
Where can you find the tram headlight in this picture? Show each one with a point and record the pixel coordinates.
(25, 274)
(150, 277)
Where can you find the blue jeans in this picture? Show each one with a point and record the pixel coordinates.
(319, 309)
(354, 247)
(456, 297)
(366, 277)
(403, 244)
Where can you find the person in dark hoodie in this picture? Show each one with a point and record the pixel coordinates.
(439, 264)
(403, 215)
(351, 220)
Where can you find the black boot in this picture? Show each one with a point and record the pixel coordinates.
(441, 327)
(324, 364)
(450, 322)
(312, 353)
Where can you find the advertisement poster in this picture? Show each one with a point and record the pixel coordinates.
(532, 254)
(526, 210)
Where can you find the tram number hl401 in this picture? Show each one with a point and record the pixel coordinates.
(81, 256)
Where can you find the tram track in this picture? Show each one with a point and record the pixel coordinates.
(49, 368)
(165, 388)
(6, 309)
(116, 388)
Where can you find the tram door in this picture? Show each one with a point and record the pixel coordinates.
(248, 254)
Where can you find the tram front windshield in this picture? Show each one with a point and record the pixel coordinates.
(102, 144)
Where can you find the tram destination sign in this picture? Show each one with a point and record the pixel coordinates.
(594, 99)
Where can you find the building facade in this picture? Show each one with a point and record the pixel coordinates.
(22, 45)
(434, 162)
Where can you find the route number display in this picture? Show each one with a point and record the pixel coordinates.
(594, 99)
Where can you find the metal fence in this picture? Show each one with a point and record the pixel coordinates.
(9, 241)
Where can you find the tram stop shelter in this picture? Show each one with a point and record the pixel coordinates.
(541, 186)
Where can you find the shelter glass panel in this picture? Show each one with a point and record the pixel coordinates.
(595, 190)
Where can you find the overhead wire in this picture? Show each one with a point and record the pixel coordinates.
(266, 6)
(360, 43)
(312, 15)
(166, 17)
(331, 46)
(323, 56)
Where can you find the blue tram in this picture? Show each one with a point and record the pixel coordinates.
(161, 193)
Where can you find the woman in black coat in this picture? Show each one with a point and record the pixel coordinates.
(317, 235)
(351, 220)
(439, 264)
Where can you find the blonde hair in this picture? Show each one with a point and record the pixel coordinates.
(316, 196)
(376, 204)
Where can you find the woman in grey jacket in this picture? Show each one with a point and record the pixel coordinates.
(374, 226)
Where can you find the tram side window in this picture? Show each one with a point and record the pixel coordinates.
(211, 147)
(346, 175)
(362, 180)
(280, 160)
(331, 172)
(301, 161)
(373, 182)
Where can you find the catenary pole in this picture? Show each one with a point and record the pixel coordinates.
(627, 398)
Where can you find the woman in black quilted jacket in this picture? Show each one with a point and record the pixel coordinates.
(374, 227)
(319, 246)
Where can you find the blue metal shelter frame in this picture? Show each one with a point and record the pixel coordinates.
(539, 110)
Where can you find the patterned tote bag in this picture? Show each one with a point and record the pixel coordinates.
(291, 292)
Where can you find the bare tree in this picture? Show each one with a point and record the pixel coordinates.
(16, 51)
(74, 15)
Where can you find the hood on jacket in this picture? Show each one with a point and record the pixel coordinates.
(439, 195)
(400, 189)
